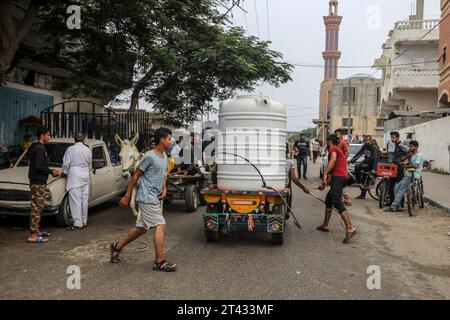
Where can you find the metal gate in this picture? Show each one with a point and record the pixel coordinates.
(95, 121)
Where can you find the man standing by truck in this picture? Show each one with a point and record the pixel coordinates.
(76, 161)
(38, 175)
(151, 176)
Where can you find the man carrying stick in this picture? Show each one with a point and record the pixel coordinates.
(337, 170)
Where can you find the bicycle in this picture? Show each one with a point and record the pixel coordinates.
(414, 194)
(368, 183)
(386, 171)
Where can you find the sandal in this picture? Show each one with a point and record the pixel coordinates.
(348, 236)
(74, 228)
(164, 266)
(38, 239)
(322, 229)
(114, 257)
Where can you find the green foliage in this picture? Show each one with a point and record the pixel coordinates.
(177, 54)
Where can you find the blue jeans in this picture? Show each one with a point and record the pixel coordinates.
(400, 190)
(302, 160)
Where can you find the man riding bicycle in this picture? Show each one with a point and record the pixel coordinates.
(416, 163)
(371, 156)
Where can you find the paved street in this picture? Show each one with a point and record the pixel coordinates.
(412, 254)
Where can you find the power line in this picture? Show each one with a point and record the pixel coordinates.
(421, 38)
(311, 65)
(268, 24)
(257, 20)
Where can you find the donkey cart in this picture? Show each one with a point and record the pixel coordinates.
(187, 188)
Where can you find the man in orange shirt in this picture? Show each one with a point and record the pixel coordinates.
(342, 143)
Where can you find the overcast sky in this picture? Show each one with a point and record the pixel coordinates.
(296, 29)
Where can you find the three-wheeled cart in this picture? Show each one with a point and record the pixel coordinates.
(187, 188)
(257, 210)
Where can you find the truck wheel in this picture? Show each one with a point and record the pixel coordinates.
(211, 236)
(277, 238)
(191, 197)
(64, 217)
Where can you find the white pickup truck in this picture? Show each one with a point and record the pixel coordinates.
(107, 180)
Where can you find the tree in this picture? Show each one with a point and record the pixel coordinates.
(177, 54)
(11, 33)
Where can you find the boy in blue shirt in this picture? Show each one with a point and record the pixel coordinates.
(416, 163)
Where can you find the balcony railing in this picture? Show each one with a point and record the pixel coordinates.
(417, 24)
(415, 77)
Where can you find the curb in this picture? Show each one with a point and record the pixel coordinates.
(436, 204)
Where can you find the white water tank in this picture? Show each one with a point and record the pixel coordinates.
(253, 127)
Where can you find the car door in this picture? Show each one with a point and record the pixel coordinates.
(121, 179)
(102, 185)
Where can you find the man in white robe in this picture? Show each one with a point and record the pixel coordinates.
(76, 166)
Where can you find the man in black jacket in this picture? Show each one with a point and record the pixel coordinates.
(370, 162)
(38, 174)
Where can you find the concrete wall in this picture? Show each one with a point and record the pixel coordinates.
(434, 140)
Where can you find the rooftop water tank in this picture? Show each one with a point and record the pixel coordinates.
(253, 127)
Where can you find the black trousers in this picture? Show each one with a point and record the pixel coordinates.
(334, 196)
(359, 168)
(315, 156)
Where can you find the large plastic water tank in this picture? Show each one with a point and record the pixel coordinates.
(253, 127)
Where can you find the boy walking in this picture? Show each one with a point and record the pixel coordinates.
(151, 176)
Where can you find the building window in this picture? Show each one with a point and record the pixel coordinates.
(380, 123)
(345, 95)
(346, 122)
(378, 95)
(444, 55)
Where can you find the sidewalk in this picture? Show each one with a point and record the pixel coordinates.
(437, 189)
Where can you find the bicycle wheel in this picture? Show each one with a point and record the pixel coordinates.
(370, 186)
(410, 199)
(421, 193)
(381, 192)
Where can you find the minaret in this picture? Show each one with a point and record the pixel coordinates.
(331, 55)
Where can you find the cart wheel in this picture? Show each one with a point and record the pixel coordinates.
(212, 236)
(277, 238)
(191, 197)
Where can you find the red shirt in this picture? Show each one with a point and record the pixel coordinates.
(340, 168)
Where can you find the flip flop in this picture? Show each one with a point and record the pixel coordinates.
(322, 229)
(44, 234)
(38, 240)
(348, 236)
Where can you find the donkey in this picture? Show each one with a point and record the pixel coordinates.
(129, 157)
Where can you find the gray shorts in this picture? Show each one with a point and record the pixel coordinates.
(150, 215)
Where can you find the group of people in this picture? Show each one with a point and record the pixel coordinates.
(152, 172)
(151, 176)
(405, 155)
(76, 162)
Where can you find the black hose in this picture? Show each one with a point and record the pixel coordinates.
(296, 223)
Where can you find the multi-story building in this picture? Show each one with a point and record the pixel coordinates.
(444, 65)
(409, 65)
(331, 56)
(355, 106)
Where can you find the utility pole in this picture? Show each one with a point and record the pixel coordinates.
(349, 106)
